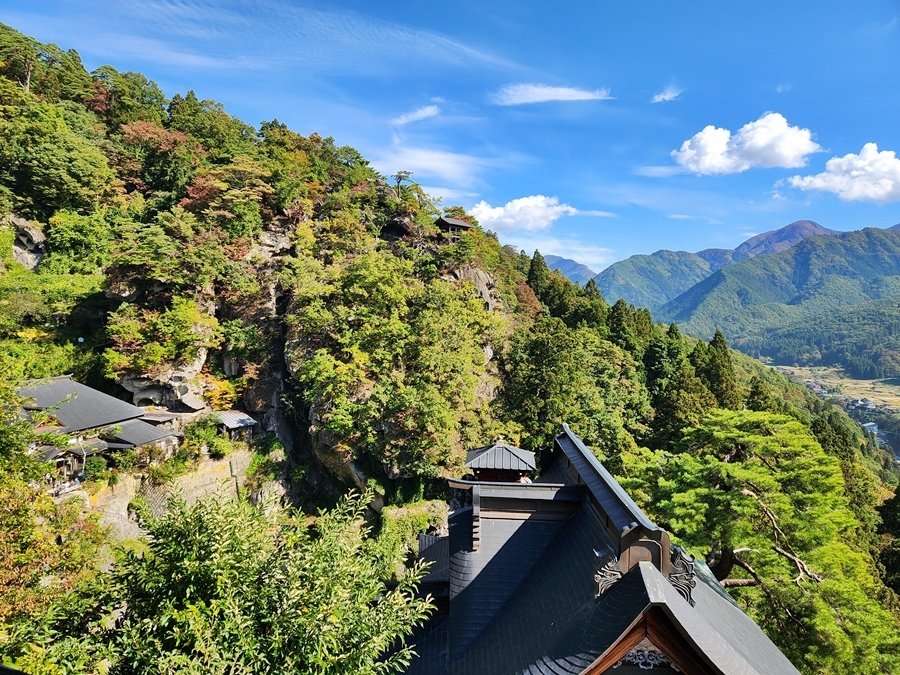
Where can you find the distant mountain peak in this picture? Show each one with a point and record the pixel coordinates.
(569, 268)
(653, 280)
(780, 239)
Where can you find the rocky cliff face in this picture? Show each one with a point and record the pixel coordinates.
(176, 387)
(485, 287)
(28, 241)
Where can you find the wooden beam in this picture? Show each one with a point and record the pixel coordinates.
(619, 649)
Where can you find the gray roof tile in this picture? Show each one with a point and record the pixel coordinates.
(136, 432)
(525, 602)
(501, 456)
(77, 407)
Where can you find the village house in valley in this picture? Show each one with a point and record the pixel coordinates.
(567, 576)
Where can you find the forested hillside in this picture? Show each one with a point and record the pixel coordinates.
(653, 280)
(830, 300)
(167, 252)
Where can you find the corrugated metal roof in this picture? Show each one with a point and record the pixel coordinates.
(77, 407)
(235, 419)
(501, 456)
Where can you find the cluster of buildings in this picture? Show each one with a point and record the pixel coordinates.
(76, 422)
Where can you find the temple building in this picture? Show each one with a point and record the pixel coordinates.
(92, 423)
(566, 576)
(501, 462)
(453, 228)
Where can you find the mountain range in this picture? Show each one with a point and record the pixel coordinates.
(828, 300)
(653, 280)
(801, 294)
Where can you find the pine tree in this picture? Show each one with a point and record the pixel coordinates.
(716, 369)
(538, 274)
(760, 397)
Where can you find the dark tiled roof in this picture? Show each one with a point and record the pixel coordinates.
(445, 222)
(501, 456)
(136, 432)
(482, 581)
(525, 601)
(436, 551)
(623, 513)
(77, 407)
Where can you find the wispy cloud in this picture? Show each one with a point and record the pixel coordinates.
(457, 169)
(417, 115)
(680, 216)
(308, 38)
(520, 94)
(783, 88)
(595, 257)
(658, 171)
(880, 29)
(535, 212)
(448, 194)
(670, 93)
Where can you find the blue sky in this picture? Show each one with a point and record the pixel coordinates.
(592, 130)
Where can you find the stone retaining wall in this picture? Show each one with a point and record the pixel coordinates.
(220, 477)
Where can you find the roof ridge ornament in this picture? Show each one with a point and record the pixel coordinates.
(682, 575)
(607, 572)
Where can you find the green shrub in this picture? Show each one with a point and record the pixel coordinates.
(95, 468)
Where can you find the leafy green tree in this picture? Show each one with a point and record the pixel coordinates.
(48, 166)
(621, 332)
(231, 196)
(225, 588)
(222, 136)
(145, 340)
(120, 98)
(758, 497)
(678, 398)
(45, 547)
(556, 373)
(165, 159)
(77, 244)
(538, 274)
(760, 397)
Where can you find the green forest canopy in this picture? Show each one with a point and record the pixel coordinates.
(402, 352)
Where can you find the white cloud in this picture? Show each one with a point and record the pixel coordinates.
(680, 216)
(670, 93)
(417, 115)
(871, 176)
(518, 94)
(595, 257)
(536, 212)
(782, 88)
(768, 142)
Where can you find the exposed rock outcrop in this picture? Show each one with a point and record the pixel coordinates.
(484, 284)
(176, 387)
(29, 243)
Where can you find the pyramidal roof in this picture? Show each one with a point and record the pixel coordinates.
(501, 456)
